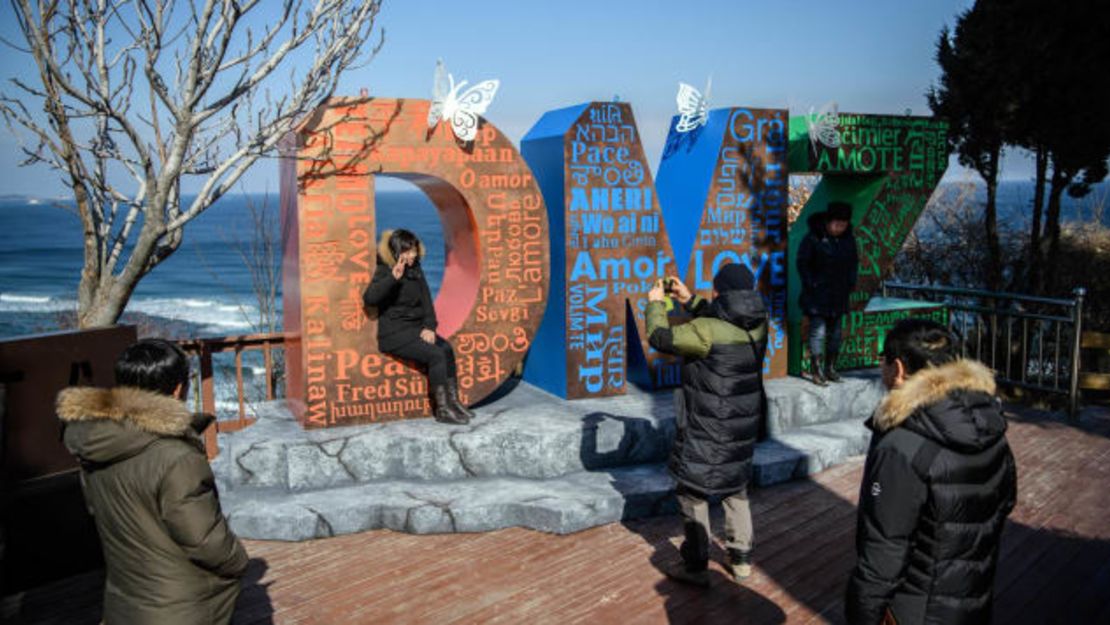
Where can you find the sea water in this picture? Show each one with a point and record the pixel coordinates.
(203, 290)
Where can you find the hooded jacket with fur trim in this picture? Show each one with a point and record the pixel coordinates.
(937, 486)
(170, 555)
(405, 306)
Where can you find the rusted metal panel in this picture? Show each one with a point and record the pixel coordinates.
(744, 218)
(43, 365)
(608, 188)
(495, 276)
(47, 531)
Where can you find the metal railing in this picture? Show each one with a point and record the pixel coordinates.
(203, 349)
(987, 321)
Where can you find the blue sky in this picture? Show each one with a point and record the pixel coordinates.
(870, 56)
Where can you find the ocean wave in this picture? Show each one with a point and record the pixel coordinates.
(24, 299)
(18, 302)
(210, 315)
(213, 315)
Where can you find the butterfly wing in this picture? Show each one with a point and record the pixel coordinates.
(811, 126)
(688, 98)
(463, 109)
(823, 126)
(441, 88)
(828, 135)
(829, 113)
(692, 108)
(827, 125)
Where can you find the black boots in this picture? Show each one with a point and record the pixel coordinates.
(831, 373)
(443, 411)
(446, 405)
(816, 373)
(822, 369)
(453, 398)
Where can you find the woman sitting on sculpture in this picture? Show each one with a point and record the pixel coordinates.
(407, 320)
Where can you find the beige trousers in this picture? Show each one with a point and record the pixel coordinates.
(695, 514)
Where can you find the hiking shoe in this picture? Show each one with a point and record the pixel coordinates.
(739, 565)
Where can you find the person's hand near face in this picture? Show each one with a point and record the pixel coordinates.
(406, 260)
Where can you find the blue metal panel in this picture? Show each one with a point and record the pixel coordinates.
(685, 175)
(542, 148)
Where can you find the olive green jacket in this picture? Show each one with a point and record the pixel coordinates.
(696, 338)
(170, 555)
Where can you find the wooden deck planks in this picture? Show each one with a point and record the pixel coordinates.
(1055, 561)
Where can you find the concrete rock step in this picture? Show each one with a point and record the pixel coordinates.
(808, 450)
(795, 403)
(560, 505)
(527, 434)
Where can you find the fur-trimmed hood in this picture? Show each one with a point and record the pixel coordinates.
(953, 404)
(110, 424)
(386, 255)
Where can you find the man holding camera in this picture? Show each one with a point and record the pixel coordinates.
(719, 409)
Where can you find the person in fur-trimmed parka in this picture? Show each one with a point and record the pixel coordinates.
(407, 321)
(170, 556)
(937, 486)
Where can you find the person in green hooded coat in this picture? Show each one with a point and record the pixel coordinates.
(719, 410)
(170, 556)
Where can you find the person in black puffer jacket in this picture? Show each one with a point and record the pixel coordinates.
(407, 320)
(937, 487)
(828, 266)
(719, 410)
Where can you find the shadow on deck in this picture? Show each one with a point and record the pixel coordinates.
(1054, 568)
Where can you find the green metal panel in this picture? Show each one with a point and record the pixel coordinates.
(886, 167)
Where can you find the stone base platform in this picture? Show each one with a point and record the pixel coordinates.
(529, 459)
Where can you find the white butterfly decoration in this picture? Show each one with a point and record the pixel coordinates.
(823, 126)
(693, 106)
(460, 109)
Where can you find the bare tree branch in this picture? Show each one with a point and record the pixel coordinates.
(205, 74)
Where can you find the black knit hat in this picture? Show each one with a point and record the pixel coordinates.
(841, 211)
(733, 277)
